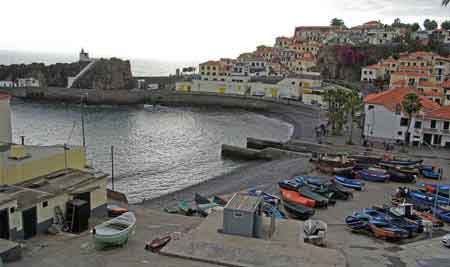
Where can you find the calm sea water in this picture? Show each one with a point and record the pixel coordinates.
(157, 150)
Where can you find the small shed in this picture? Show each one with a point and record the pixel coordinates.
(242, 216)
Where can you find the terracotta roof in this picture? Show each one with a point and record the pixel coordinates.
(393, 97)
(427, 83)
(316, 28)
(211, 62)
(446, 84)
(415, 74)
(4, 96)
(431, 93)
(442, 113)
(399, 83)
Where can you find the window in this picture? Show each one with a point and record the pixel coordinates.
(12, 210)
(418, 125)
(446, 125)
(399, 133)
(45, 204)
(398, 109)
(237, 214)
(433, 124)
(404, 122)
(371, 107)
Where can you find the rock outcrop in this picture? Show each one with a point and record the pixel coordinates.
(106, 74)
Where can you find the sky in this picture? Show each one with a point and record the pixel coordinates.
(180, 30)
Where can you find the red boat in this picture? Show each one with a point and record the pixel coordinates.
(427, 216)
(157, 244)
(295, 197)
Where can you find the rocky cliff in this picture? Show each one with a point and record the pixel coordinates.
(106, 74)
(345, 62)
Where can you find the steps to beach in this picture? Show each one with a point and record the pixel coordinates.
(72, 80)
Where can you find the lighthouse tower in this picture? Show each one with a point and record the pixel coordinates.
(5, 119)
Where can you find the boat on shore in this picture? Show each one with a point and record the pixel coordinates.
(349, 183)
(158, 243)
(298, 211)
(390, 232)
(374, 175)
(401, 177)
(199, 199)
(295, 197)
(321, 201)
(402, 162)
(114, 232)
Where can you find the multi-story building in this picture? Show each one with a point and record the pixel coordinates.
(283, 42)
(28, 82)
(313, 33)
(214, 70)
(386, 121)
(374, 72)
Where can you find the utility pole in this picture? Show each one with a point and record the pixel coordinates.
(112, 167)
(82, 121)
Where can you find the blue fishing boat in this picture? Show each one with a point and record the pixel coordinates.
(350, 183)
(426, 198)
(268, 198)
(289, 184)
(402, 162)
(398, 222)
(442, 214)
(357, 222)
(374, 175)
(430, 174)
(269, 210)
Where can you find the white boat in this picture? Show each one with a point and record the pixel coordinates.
(114, 232)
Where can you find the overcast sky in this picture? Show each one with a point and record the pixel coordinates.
(181, 30)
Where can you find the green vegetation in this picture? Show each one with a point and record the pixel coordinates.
(411, 106)
(430, 24)
(343, 105)
(337, 22)
(445, 25)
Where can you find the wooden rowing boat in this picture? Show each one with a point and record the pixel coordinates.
(114, 232)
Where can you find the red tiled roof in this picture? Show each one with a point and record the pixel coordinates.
(399, 83)
(4, 96)
(431, 93)
(415, 74)
(446, 84)
(393, 97)
(442, 113)
(426, 83)
(316, 28)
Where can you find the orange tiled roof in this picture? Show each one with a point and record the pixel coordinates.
(393, 97)
(211, 62)
(442, 113)
(446, 84)
(411, 74)
(399, 83)
(432, 93)
(427, 83)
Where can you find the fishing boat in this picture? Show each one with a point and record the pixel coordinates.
(294, 197)
(115, 210)
(429, 217)
(426, 198)
(268, 198)
(321, 201)
(270, 210)
(374, 175)
(390, 232)
(444, 189)
(171, 210)
(441, 214)
(312, 181)
(185, 208)
(364, 159)
(298, 211)
(412, 223)
(158, 243)
(199, 199)
(349, 183)
(356, 222)
(430, 174)
(114, 232)
(289, 184)
(331, 163)
(339, 192)
(402, 162)
(401, 177)
(205, 209)
(219, 200)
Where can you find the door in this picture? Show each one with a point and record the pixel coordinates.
(29, 218)
(408, 138)
(86, 197)
(427, 138)
(4, 224)
(437, 139)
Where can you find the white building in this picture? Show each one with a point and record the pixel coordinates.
(28, 82)
(385, 120)
(6, 84)
(84, 56)
(382, 37)
(372, 73)
(5, 119)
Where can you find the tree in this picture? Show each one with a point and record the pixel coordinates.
(336, 100)
(411, 105)
(353, 105)
(415, 27)
(445, 2)
(430, 24)
(397, 23)
(445, 25)
(337, 22)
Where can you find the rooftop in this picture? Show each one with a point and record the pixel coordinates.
(4, 96)
(243, 202)
(48, 186)
(442, 113)
(393, 97)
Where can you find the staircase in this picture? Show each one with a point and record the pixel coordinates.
(72, 80)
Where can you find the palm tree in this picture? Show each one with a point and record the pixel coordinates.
(411, 106)
(353, 104)
(445, 2)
